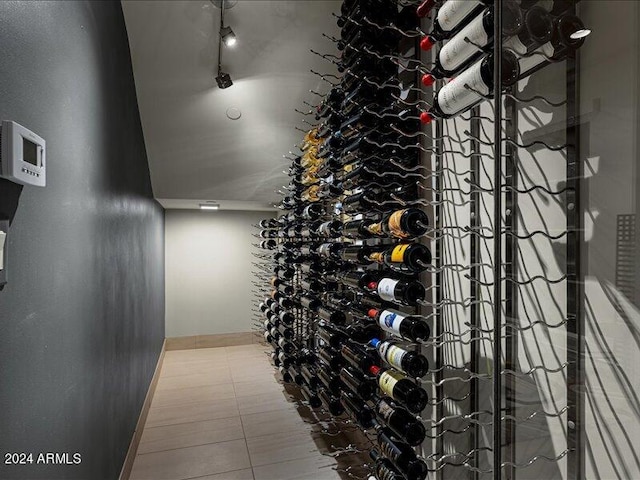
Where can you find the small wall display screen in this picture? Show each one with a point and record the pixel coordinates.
(29, 152)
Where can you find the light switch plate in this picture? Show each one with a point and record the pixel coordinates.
(4, 227)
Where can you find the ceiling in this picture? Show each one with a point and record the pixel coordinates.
(195, 151)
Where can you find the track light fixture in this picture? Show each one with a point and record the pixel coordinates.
(228, 37)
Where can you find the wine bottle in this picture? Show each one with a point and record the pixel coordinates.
(409, 327)
(405, 292)
(330, 358)
(385, 470)
(285, 288)
(335, 317)
(404, 257)
(312, 211)
(362, 332)
(311, 397)
(401, 422)
(471, 87)
(358, 384)
(471, 42)
(425, 8)
(569, 34)
(268, 244)
(330, 250)
(268, 337)
(395, 385)
(285, 360)
(332, 336)
(295, 375)
(268, 234)
(310, 377)
(411, 363)
(285, 331)
(402, 456)
(538, 30)
(312, 286)
(310, 302)
(358, 357)
(284, 272)
(268, 223)
(286, 376)
(330, 380)
(453, 16)
(286, 346)
(330, 229)
(357, 410)
(330, 402)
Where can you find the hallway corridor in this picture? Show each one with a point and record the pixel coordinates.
(220, 414)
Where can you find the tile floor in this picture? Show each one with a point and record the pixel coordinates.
(221, 414)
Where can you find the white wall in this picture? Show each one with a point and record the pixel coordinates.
(209, 271)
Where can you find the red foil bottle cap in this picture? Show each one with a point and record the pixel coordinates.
(426, 118)
(372, 313)
(374, 369)
(427, 43)
(428, 79)
(372, 285)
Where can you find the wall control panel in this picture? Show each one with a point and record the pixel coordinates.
(22, 155)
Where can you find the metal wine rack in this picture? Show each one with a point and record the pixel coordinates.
(505, 291)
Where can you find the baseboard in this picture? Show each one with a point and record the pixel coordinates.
(212, 341)
(137, 434)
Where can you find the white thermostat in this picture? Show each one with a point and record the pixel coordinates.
(22, 155)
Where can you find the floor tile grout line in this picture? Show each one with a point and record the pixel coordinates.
(244, 434)
(195, 421)
(192, 446)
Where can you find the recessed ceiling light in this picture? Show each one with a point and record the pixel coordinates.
(209, 206)
(233, 113)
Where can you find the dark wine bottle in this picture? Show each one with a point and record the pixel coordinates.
(385, 470)
(330, 402)
(310, 377)
(310, 302)
(311, 397)
(395, 385)
(332, 336)
(286, 376)
(404, 424)
(357, 383)
(331, 358)
(330, 380)
(409, 327)
(424, 9)
(335, 317)
(358, 356)
(286, 346)
(402, 456)
(357, 409)
(285, 360)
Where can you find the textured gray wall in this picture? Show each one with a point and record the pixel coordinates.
(81, 319)
(209, 271)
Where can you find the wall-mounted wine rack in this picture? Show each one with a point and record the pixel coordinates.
(503, 290)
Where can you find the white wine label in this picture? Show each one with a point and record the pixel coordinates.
(455, 97)
(386, 287)
(455, 11)
(390, 321)
(385, 410)
(457, 50)
(387, 381)
(392, 354)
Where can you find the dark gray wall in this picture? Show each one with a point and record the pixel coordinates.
(82, 317)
